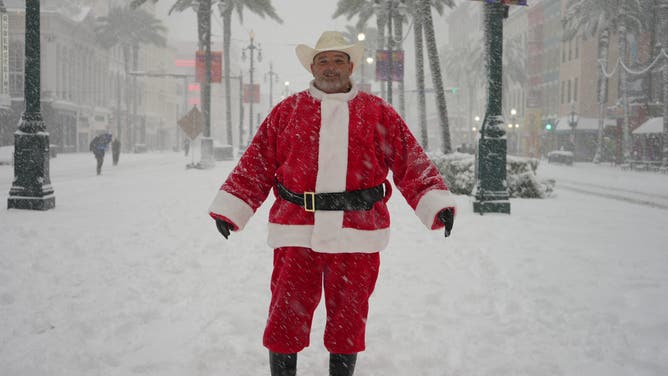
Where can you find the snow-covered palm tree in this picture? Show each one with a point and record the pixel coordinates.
(261, 8)
(420, 10)
(130, 29)
(602, 17)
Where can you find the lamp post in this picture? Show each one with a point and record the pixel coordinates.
(251, 47)
(491, 194)
(286, 90)
(273, 76)
(515, 128)
(31, 188)
(474, 129)
(361, 37)
(573, 123)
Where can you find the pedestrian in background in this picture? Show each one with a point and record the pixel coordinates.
(326, 152)
(115, 150)
(98, 146)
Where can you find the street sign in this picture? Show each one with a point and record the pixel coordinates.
(192, 123)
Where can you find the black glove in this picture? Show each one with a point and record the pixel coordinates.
(446, 217)
(224, 227)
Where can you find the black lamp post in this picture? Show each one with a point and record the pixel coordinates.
(251, 98)
(31, 188)
(573, 123)
(491, 194)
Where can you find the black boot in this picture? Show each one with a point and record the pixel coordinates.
(342, 364)
(282, 364)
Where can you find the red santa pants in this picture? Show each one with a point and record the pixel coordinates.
(296, 286)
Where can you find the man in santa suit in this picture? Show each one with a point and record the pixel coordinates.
(325, 153)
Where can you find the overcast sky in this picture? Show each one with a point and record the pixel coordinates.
(303, 22)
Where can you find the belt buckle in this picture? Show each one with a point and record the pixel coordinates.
(309, 201)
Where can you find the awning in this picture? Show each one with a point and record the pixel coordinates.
(653, 125)
(584, 123)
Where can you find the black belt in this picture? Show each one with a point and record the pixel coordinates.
(362, 199)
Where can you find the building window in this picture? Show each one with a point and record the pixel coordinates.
(570, 50)
(569, 91)
(577, 48)
(575, 90)
(563, 91)
(563, 52)
(16, 68)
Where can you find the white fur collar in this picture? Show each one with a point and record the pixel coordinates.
(319, 94)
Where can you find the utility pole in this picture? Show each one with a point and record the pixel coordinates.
(31, 188)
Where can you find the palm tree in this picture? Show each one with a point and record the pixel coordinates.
(591, 17)
(130, 29)
(420, 10)
(424, 8)
(261, 8)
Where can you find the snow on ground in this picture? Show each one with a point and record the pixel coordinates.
(128, 276)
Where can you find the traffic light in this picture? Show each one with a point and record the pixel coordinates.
(548, 126)
(451, 90)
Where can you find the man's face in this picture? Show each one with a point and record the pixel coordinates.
(332, 70)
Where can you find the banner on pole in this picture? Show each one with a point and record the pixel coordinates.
(383, 70)
(216, 66)
(253, 95)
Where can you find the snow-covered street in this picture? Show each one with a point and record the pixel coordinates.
(128, 276)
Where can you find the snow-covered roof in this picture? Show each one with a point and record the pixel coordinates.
(584, 123)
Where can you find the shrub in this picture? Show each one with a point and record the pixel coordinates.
(458, 170)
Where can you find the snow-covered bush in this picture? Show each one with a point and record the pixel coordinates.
(458, 170)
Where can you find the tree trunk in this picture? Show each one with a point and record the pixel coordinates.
(419, 79)
(128, 126)
(398, 36)
(603, 42)
(135, 67)
(664, 24)
(626, 135)
(435, 66)
(380, 42)
(227, 37)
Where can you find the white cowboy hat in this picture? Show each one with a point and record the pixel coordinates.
(330, 41)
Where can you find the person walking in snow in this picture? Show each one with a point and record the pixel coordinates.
(115, 150)
(98, 146)
(326, 153)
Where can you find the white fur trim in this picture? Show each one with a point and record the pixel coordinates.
(232, 207)
(332, 164)
(321, 95)
(340, 240)
(431, 203)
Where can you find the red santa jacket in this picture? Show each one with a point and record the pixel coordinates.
(318, 142)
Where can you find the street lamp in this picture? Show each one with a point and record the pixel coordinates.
(31, 188)
(251, 98)
(361, 37)
(491, 189)
(474, 129)
(514, 126)
(573, 123)
(286, 91)
(273, 77)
